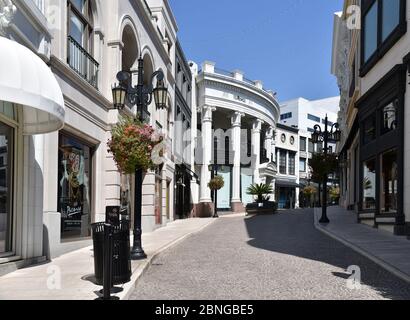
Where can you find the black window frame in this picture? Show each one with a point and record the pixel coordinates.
(392, 86)
(314, 118)
(304, 139)
(383, 46)
(286, 116)
(292, 164)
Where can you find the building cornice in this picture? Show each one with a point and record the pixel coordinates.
(269, 112)
(246, 87)
(69, 103)
(149, 26)
(88, 90)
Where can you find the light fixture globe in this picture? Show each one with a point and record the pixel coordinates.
(118, 97)
(337, 135)
(315, 137)
(160, 95)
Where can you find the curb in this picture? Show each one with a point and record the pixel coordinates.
(388, 267)
(147, 263)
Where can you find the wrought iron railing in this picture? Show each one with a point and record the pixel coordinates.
(224, 72)
(231, 75)
(82, 62)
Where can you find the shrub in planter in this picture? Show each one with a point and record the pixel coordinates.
(267, 207)
(133, 145)
(260, 191)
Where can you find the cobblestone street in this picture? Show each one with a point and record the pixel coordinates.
(266, 257)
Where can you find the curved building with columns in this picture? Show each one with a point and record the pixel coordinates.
(236, 120)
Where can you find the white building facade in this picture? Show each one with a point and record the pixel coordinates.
(304, 115)
(235, 120)
(287, 158)
(66, 178)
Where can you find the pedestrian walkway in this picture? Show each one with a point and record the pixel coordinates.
(267, 257)
(389, 251)
(68, 277)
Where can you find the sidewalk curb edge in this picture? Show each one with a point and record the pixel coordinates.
(364, 253)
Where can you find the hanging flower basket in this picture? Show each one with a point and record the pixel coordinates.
(133, 144)
(216, 183)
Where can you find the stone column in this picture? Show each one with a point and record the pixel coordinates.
(256, 148)
(207, 143)
(236, 122)
(268, 143)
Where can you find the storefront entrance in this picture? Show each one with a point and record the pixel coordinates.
(286, 197)
(224, 195)
(74, 182)
(6, 214)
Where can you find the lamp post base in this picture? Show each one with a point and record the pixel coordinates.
(324, 220)
(138, 254)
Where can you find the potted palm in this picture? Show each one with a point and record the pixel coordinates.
(262, 193)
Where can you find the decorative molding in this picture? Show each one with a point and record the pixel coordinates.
(257, 126)
(207, 113)
(7, 12)
(251, 99)
(236, 119)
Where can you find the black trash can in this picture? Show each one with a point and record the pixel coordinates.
(121, 264)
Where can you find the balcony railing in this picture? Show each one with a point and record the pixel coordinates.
(82, 62)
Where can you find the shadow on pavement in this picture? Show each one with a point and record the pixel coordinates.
(293, 233)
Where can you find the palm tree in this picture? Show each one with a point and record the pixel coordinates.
(261, 191)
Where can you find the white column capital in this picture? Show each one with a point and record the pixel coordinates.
(257, 126)
(236, 119)
(206, 112)
(270, 133)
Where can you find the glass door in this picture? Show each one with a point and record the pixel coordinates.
(6, 214)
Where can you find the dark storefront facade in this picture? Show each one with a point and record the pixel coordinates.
(74, 187)
(381, 119)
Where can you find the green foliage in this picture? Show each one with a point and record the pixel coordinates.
(334, 193)
(309, 191)
(322, 165)
(216, 183)
(133, 144)
(261, 191)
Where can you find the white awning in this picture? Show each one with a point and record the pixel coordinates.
(25, 79)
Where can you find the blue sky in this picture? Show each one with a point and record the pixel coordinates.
(285, 43)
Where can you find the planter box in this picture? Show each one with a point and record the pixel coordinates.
(262, 208)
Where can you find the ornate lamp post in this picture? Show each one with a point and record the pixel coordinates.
(214, 170)
(140, 95)
(325, 136)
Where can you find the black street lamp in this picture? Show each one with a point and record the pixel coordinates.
(140, 95)
(325, 136)
(214, 169)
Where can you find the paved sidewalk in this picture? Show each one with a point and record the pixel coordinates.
(389, 251)
(76, 268)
